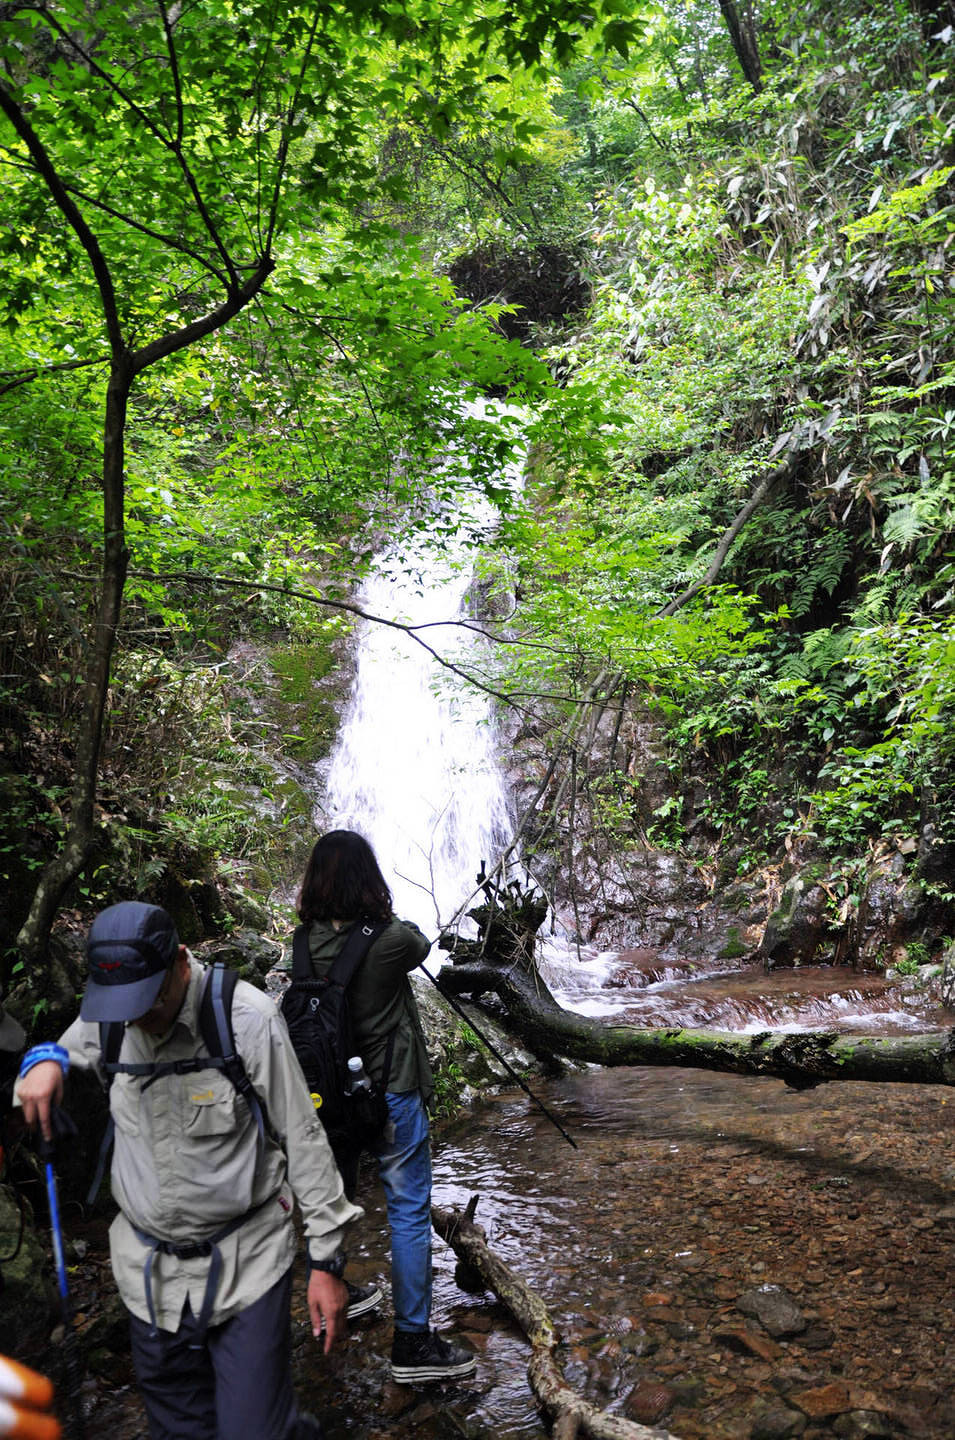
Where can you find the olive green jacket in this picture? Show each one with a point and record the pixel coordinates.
(380, 1000)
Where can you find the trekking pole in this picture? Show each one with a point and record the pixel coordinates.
(500, 1058)
(72, 1370)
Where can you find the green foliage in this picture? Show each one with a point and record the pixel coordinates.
(769, 278)
(307, 712)
(449, 1084)
(772, 279)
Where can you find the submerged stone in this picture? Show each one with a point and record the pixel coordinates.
(775, 1310)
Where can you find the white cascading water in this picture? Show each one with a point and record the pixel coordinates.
(414, 769)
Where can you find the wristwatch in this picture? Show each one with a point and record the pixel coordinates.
(333, 1264)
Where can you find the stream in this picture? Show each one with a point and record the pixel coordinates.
(688, 1193)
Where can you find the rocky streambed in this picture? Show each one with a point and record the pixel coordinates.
(724, 1257)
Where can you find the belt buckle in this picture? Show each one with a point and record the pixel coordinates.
(193, 1251)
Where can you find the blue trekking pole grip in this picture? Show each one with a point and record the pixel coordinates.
(62, 1127)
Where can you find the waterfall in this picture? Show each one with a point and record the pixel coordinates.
(414, 769)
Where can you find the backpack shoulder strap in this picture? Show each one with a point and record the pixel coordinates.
(111, 1034)
(218, 1035)
(361, 937)
(301, 957)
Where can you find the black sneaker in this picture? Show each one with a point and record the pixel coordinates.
(418, 1355)
(362, 1298)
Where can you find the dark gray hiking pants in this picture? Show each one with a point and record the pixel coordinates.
(236, 1386)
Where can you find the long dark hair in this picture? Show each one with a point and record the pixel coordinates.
(343, 881)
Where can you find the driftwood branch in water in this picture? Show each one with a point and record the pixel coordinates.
(570, 1413)
(801, 1060)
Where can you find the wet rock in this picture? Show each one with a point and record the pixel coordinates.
(448, 1044)
(688, 1390)
(856, 1424)
(745, 1342)
(108, 1330)
(798, 929)
(948, 976)
(648, 1402)
(824, 1401)
(28, 1305)
(635, 1343)
(936, 857)
(891, 911)
(775, 1310)
(395, 1400)
(777, 1422)
(248, 952)
(106, 1365)
(817, 1337)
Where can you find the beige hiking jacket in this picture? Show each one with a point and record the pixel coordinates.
(188, 1159)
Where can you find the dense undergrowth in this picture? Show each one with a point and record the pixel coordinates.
(772, 292)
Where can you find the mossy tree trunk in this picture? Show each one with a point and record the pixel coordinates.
(802, 1060)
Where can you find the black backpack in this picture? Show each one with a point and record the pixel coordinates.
(319, 1024)
(218, 1038)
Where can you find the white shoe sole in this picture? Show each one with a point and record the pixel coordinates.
(359, 1307)
(411, 1374)
(367, 1302)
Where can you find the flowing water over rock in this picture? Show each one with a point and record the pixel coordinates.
(415, 768)
(636, 988)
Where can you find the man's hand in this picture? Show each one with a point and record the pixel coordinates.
(327, 1301)
(40, 1089)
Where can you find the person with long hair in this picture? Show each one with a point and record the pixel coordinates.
(344, 886)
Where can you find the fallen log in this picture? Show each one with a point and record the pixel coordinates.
(570, 1414)
(802, 1060)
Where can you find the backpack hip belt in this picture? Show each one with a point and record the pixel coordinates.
(191, 1250)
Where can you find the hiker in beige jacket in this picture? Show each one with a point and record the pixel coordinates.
(205, 1180)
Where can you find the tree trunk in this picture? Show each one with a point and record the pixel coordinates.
(802, 1060)
(125, 365)
(569, 1413)
(65, 866)
(742, 32)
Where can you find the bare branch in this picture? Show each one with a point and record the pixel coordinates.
(762, 493)
(13, 378)
(48, 172)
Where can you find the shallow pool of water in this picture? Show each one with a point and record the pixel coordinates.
(687, 1191)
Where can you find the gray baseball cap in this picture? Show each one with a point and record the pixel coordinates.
(130, 949)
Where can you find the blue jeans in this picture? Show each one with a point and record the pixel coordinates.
(404, 1168)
